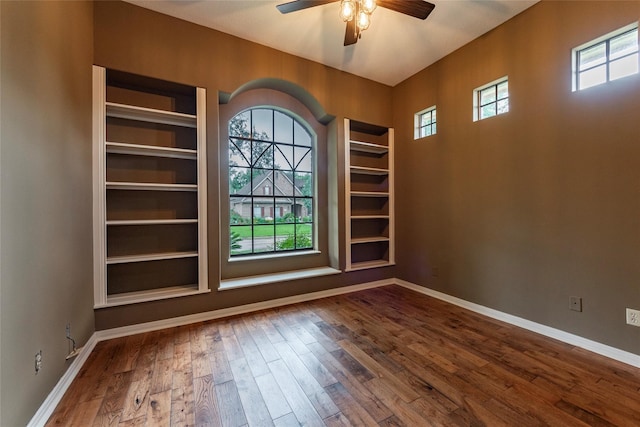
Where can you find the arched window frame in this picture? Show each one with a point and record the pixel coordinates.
(271, 148)
(323, 254)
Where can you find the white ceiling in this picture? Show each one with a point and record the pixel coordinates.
(394, 47)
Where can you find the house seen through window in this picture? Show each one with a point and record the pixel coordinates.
(271, 183)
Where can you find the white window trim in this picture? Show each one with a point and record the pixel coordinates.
(476, 105)
(575, 50)
(416, 123)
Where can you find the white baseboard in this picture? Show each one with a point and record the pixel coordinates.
(594, 346)
(233, 311)
(50, 403)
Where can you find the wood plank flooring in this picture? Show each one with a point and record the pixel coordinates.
(380, 357)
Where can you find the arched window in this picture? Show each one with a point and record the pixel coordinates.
(272, 190)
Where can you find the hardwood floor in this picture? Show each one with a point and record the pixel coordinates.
(385, 356)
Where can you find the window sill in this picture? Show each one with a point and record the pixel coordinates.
(265, 279)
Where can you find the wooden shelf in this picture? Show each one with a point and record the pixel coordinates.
(370, 264)
(374, 239)
(151, 151)
(151, 222)
(369, 171)
(369, 194)
(148, 186)
(150, 257)
(367, 147)
(143, 114)
(369, 216)
(149, 189)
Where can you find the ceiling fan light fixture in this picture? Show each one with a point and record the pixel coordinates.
(368, 6)
(347, 10)
(363, 20)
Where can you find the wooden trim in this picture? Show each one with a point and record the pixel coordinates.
(99, 191)
(347, 193)
(203, 237)
(49, 405)
(392, 192)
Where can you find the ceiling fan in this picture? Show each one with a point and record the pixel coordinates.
(357, 13)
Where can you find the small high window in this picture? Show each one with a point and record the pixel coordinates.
(491, 99)
(607, 58)
(425, 123)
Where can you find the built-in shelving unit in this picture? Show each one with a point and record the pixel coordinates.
(369, 203)
(149, 189)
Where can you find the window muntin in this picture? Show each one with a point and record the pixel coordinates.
(607, 58)
(491, 99)
(271, 183)
(425, 123)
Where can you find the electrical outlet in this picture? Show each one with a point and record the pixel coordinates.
(633, 317)
(38, 361)
(575, 303)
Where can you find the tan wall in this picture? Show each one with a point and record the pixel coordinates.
(136, 40)
(45, 187)
(521, 211)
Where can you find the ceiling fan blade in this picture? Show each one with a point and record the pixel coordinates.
(417, 8)
(294, 6)
(350, 35)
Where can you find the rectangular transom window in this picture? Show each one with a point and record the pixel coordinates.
(607, 58)
(425, 123)
(491, 99)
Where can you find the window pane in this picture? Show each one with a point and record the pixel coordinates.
(304, 237)
(593, 77)
(487, 95)
(433, 116)
(623, 45)
(425, 119)
(262, 155)
(503, 106)
(303, 210)
(263, 238)
(623, 67)
(592, 56)
(301, 136)
(240, 210)
(503, 90)
(285, 237)
(304, 184)
(283, 156)
(240, 240)
(239, 152)
(263, 210)
(433, 129)
(283, 131)
(488, 111)
(284, 213)
(239, 180)
(302, 157)
(262, 124)
(240, 125)
(261, 179)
